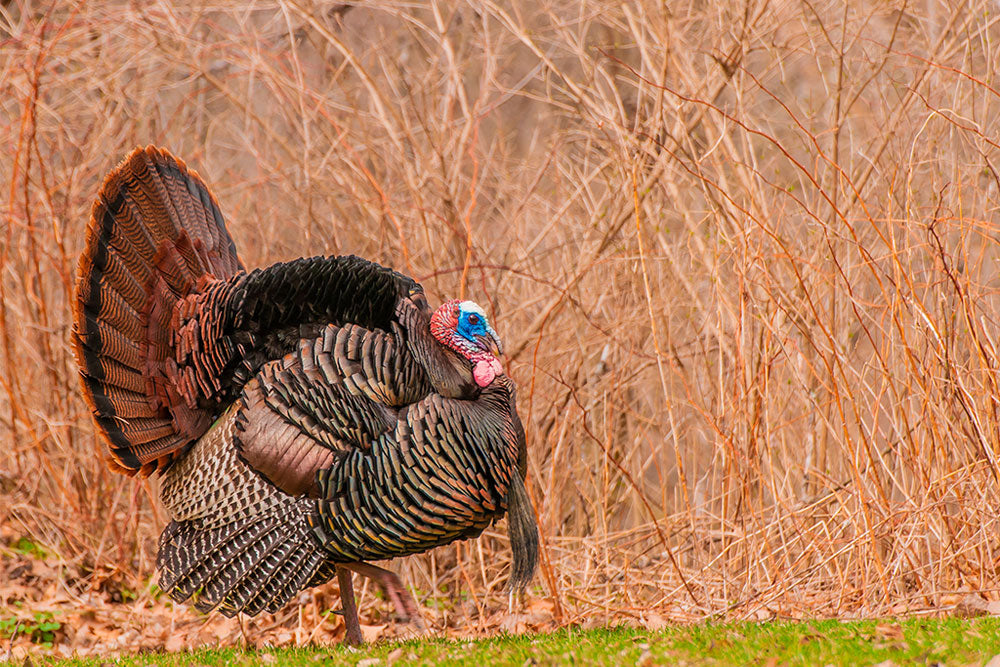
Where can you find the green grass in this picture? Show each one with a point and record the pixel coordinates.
(923, 641)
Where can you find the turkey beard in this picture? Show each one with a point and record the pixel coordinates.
(523, 532)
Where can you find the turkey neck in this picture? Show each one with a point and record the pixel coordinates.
(443, 473)
(449, 374)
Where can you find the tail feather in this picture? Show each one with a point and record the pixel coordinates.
(113, 309)
(113, 374)
(125, 402)
(144, 433)
(106, 272)
(114, 343)
(155, 234)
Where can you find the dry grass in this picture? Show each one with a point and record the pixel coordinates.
(743, 256)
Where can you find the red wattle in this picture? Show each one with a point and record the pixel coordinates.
(484, 372)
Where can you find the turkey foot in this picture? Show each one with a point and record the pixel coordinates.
(401, 599)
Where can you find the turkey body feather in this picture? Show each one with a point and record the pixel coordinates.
(302, 418)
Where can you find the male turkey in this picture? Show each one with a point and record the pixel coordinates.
(303, 418)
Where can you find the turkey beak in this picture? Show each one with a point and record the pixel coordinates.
(491, 341)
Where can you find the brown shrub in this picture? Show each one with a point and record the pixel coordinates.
(744, 259)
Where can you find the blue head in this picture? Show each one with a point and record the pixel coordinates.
(464, 327)
(474, 326)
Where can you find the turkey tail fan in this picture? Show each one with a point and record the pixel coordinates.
(155, 233)
(523, 531)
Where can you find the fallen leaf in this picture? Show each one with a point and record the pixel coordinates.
(174, 643)
(889, 631)
(655, 622)
(515, 624)
(372, 632)
(971, 606)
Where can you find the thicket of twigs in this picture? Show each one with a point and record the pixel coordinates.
(743, 257)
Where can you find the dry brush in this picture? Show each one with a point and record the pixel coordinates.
(743, 255)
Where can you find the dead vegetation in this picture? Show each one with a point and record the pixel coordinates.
(743, 256)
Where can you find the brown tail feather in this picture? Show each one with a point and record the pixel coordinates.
(155, 233)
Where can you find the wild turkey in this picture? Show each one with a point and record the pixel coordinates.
(303, 419)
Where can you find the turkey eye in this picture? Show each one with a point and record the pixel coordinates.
(473, 319)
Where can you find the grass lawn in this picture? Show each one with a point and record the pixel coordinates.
(912, 641)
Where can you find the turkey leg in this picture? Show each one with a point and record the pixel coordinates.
(354, 637)
(401, 599)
